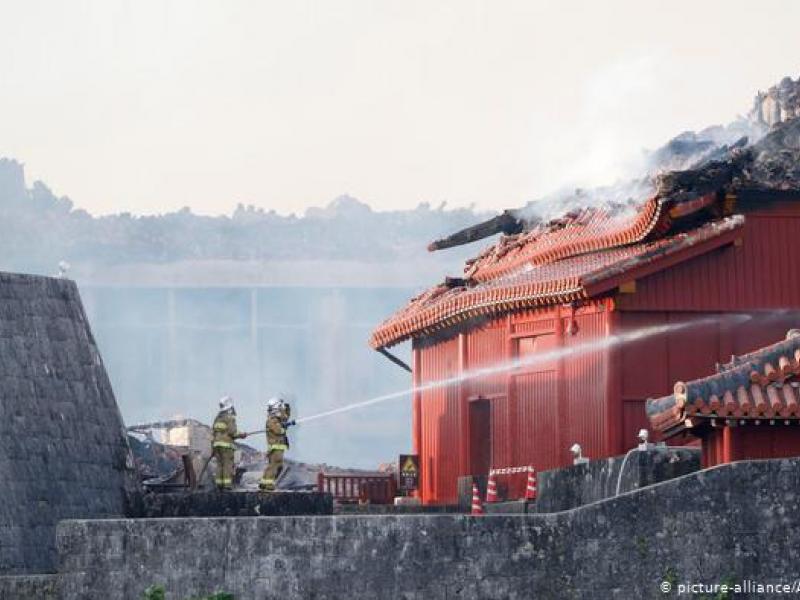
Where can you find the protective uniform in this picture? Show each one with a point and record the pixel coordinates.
(224, 434)
(277, 442)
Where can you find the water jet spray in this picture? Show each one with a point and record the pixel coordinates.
(533, 359)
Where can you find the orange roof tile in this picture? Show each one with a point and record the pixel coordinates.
(588, 230)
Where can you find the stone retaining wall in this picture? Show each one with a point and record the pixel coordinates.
(233, 504)
(733, 522)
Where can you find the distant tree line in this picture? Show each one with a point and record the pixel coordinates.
(41, 229)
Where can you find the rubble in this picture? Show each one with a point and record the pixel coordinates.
(773, 163)
(161, 463)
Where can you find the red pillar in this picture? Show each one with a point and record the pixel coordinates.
(613, 392)
(463, 407)
(416, 413)
(728, 454)
(511, 395)
(563, 443)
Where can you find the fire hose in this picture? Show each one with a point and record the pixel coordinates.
(291, 423)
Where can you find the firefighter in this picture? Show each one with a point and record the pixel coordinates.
(278, 413)
(224, 432)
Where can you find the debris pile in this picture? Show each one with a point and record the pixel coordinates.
(159, 462)
(152, 459)
(777, 158)
(773, 163)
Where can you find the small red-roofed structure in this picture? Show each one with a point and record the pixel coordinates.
(748, 409)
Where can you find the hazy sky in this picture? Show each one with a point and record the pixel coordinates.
(147, 106)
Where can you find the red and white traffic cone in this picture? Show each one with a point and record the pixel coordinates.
(477, 506)
(530, 489)
(491, 489)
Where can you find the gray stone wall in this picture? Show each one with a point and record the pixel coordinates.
(720, 525)
(63, 449)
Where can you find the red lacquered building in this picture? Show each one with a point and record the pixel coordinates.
(727, 261)
(749, 409)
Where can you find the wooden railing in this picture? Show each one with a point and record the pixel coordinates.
(366, 489)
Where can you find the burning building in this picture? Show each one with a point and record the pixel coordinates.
(518, 359)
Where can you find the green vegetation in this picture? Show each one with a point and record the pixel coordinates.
(670, 577)
(641, 546)
(154, 592)
(157, 592)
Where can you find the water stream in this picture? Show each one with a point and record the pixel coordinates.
(568, 352)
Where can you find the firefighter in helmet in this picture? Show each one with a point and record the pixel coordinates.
(278, 413)
(224, 434)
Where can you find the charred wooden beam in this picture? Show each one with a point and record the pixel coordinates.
(454, 282)
(679, 186)
(507, 222)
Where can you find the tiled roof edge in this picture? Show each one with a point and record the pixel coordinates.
(768, 366)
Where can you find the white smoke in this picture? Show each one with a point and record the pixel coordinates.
(599, 160)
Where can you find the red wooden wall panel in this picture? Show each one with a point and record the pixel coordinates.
(693, 350)
(536, 420)
(561, 400)
(486, 348)
(649, 367)
(758, 274)
(644, 363)
(440, 413)
(584, 378)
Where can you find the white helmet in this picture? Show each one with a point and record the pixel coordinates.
(274, 405)
(225, 403)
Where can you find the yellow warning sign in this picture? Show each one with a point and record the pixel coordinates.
(409, 472)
